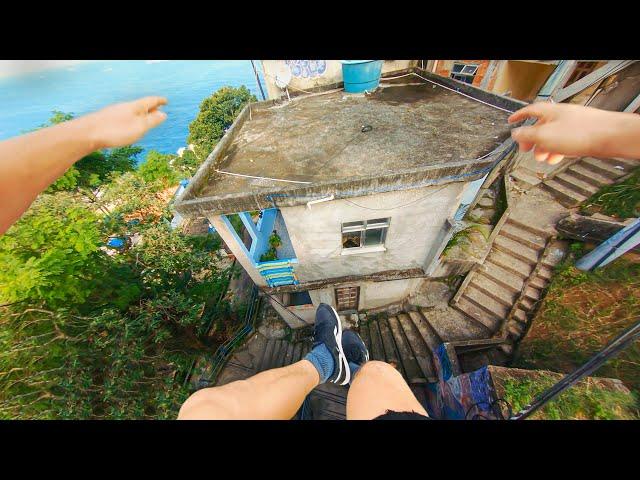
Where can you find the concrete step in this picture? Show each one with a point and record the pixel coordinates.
(538, 282)
(390, 352)
(410, 366)
(470, 308)
(602, 168)
(363, 330)
(525, 176)
(510, 263)
(486, 302)
(297, 352)
(266, 357)
(377, 350)
(545, 272)
(531, 240)
(493, 289)
(515, 330)
(288, 357)
(419, 347)
(504, 277)
(516, 249)
(520, 315)
(532, 293)
(427, 332)
(526, 304)
(574, 183)
(589, 176)
(453, 326)
(626, 163)
(278, 354)
(566, 196)
(529, 228)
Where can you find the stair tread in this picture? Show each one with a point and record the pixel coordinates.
(510, 263)
(627, 163)
(428, 333)
(520, 315)
(452, 325)
(576, 184)
(532, 293)
(364, 334)
(266, 357)
(517, 233)
(421, 350)
(493, 289)
(390, 352)
(516, 249)
(601, 167)
(410, 365)
(565, 191)
(288, 357)
(478, 314)
(499, 274)
(485, 302)
(524, 176)
(526, 227)
(377, 351)
(538, 282)
(589, 176)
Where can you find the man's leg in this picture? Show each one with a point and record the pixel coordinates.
(277, 394)
(270, 395)
(378, 388)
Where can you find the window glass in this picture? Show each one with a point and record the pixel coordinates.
(374, 237)
(457, 67)
(470, 69)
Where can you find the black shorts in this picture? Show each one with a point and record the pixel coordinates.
(391, 415)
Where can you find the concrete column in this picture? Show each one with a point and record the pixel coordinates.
(235, 244)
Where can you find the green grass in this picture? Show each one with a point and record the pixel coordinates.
(580, 314)
(587, 400)
(620, 200)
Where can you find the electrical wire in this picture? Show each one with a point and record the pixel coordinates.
(450, 89)
(397, 206)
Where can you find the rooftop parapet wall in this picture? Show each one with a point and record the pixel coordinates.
(420, 135)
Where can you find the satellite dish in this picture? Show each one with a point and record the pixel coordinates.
(283, 76)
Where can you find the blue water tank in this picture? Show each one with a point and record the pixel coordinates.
(361, 75)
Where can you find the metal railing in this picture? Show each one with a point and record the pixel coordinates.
(225, 350)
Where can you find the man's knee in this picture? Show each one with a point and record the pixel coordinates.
(378, 369)
(213, 403)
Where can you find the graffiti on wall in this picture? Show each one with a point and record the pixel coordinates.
(307, 68)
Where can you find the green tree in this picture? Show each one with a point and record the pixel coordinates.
(103, 336)
(158, 169)
(216, 114)
(50, 254)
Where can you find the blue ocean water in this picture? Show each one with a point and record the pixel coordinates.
(26, 101)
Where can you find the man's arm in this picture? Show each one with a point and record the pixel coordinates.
(572, 130)
(32, 162)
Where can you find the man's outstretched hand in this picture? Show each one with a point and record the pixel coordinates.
(125, 123)
(572, 130)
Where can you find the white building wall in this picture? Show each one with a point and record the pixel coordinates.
(317, 239)
(323, 72)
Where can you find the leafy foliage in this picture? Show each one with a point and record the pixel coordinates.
(217, 113)
(157, 169)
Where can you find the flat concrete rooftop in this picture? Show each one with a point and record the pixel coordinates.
(319, 140)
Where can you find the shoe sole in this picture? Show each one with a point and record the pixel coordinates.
(342, 359)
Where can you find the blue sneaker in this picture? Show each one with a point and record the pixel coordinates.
(354, 348)
(328, 331)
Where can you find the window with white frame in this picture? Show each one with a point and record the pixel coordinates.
(366, 233)
(464, 72)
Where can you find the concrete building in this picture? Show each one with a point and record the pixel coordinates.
(362, 190)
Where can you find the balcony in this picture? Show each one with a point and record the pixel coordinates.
(276, 266)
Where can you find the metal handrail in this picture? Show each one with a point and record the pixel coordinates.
(224, 351)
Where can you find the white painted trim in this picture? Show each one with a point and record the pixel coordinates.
(356, 251)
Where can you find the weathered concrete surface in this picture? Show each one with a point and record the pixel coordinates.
(589, 229)
(420, 134)
(320, 137)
